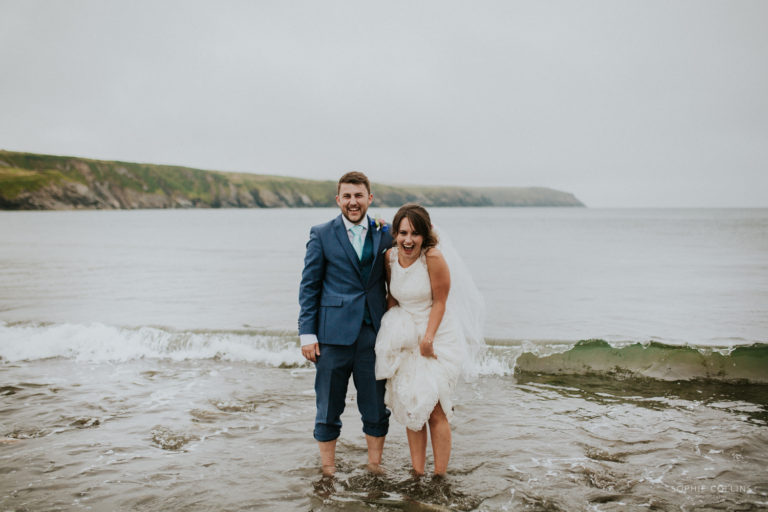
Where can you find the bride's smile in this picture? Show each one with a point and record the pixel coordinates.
(409, 241)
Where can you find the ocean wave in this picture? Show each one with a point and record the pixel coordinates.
(103, 343)
(619, 360)
(652, 360)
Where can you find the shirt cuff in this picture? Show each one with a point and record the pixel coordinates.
(307, 339)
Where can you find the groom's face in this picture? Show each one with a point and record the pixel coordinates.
(353, 199)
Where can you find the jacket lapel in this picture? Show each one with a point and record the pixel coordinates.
(341, 234)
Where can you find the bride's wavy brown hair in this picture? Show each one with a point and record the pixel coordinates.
(420, 221)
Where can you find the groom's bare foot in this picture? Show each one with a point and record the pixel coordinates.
(374, 468)
(375, 450)
(328, 457)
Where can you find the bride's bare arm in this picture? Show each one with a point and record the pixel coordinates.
(440, 279)
(391, 301)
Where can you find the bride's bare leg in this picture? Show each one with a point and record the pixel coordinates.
(417, 443)
(440, 431)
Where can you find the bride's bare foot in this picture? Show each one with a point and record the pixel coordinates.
(329, 470)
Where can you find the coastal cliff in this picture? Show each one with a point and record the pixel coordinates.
(31, 181)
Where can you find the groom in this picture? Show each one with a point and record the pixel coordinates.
(342, 298)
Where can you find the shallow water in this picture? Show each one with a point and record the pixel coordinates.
(149, 361)
(207, 434)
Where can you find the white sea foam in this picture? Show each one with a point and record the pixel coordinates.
(98, 342)
(101, 343)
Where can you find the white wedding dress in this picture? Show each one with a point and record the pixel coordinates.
(415, 384)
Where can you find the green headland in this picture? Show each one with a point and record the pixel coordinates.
(30, 181)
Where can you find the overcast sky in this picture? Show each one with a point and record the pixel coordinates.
(641, 103)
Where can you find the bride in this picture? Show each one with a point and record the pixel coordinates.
(425, 338)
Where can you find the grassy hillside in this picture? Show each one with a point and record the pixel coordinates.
(31, 181)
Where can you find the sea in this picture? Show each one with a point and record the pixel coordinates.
(149, 361)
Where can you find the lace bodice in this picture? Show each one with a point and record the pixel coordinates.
(411, 286)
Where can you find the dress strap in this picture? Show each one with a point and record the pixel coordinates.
(393, 255)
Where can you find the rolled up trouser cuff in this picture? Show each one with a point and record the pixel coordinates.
(376, 429)
(325, 433)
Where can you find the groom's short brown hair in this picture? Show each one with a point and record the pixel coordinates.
(356, 178)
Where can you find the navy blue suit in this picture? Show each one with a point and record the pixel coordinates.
(342, 301)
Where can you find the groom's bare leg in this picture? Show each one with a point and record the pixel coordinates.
(375, 451)
(417, 443)
(328, 456)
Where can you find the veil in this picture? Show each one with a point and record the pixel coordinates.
(466, 305)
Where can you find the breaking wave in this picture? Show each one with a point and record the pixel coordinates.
(654, 360)
(102, 343)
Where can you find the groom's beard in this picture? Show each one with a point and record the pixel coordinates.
(355, 216)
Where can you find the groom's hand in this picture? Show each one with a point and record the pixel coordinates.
(311, 351)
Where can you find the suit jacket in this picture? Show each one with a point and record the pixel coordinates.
(332, 294)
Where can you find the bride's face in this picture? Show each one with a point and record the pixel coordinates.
(408, 241)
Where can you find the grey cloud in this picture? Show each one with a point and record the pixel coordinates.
(623, 103)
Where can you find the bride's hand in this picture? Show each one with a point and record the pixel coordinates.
(426, 348)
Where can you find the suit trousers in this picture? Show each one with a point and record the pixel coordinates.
(334, 366)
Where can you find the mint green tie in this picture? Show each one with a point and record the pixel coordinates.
(357, 239)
